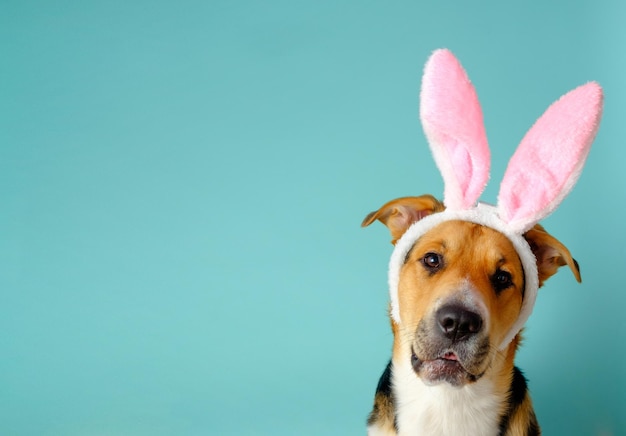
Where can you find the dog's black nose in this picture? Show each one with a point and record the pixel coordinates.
(457, 323)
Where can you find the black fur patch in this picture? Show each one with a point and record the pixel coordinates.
(384, 383)
(517, 393)
(385, 391)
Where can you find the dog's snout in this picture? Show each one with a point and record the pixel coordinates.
(457, 323)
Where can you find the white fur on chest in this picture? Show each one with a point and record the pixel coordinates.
(443, 410)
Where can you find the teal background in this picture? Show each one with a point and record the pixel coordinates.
(181, 188)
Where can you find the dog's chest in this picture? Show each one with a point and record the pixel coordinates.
(443, 410)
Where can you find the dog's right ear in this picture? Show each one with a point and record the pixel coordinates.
(399, 214)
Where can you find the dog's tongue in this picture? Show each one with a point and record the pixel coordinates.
(450, 356)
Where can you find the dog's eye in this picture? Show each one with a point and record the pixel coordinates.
(502, 280)
(432, 261)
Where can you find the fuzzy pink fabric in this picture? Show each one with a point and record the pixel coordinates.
(453, 123)
(550, 158)
(544, 168)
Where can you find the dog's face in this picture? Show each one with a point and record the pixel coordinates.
(460, 291)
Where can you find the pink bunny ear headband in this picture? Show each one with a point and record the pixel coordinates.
(540, 174)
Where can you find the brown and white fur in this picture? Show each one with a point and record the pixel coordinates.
(460, 291)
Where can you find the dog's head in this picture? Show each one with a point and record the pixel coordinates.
(463, 278)
(460, 290)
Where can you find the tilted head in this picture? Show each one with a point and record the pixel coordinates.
(460, 289)
(452, 260)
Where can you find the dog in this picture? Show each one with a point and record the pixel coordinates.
(464, 275)
(460, 290)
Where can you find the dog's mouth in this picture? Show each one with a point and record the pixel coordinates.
(447, 367)
(450, 356)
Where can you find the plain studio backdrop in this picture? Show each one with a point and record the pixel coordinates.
(181, 189)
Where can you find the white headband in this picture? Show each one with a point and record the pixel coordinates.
(540, 174)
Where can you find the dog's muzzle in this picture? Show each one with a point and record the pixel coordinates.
(451, 347)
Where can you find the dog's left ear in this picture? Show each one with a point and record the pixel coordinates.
(550, 253)
(399, 214)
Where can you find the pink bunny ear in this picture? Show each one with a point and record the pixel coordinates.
(453, 123)
(550, 158)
